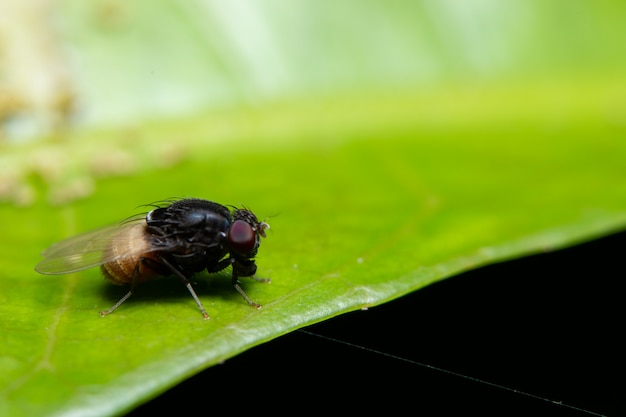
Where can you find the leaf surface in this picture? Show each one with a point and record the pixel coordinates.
(389, 146)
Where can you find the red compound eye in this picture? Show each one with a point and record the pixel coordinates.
(241, 237)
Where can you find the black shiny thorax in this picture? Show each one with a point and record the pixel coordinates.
(193, 232)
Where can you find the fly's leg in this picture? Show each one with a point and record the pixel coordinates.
(241, 268)
(133, 284)
(236, 268)
(187, 284)
(245, 268)
(240, 290)
(261, 280)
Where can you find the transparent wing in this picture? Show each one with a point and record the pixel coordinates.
(93, 248)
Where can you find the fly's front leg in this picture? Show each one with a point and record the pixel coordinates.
(245, 268)
(241, 291)
(262, 280)
(238, 270)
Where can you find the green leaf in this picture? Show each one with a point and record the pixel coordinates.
(372, 211)
(386, 154)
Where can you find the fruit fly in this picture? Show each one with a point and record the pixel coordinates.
(177, 238)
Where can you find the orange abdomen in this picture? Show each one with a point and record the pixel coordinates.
(129, 247)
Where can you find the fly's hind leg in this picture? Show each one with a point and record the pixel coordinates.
(133, 284)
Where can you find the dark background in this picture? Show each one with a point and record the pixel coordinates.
(550, 325)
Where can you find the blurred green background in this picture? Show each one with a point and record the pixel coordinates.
(108, 61)
(71, 65)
